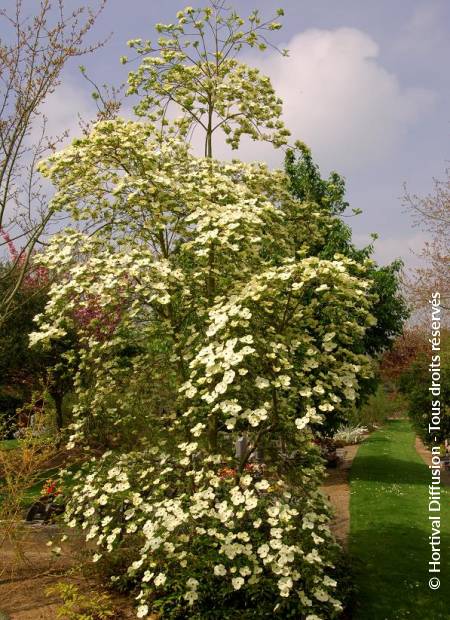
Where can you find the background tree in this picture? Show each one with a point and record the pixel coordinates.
(415, 382)
(432, 214)
(33, 53)
(26, 371)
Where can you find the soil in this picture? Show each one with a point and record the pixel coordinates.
(24, 578)
(425, 453)
(337, 489)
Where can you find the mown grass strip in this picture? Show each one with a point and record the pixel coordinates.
(389, 530)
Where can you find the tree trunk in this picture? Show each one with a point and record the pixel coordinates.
(58, 400)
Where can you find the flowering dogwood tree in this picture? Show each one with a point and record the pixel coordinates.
(223, 318)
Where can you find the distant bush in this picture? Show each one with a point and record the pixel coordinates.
(415, 383)
(385, 403)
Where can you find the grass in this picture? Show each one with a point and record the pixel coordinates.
(9, 444)
(390, 528)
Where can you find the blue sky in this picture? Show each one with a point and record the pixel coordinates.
(366, 86)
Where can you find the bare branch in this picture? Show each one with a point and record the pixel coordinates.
(33, 52)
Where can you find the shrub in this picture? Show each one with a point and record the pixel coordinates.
(208, 540)
(8, 418)
(386, 402)
(91, 605)
(415, 383)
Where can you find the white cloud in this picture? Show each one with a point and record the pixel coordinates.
(339, 99)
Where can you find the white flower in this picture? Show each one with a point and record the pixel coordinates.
(261, 383)
(327, 581)
(285, 584)
(197, 429)
(251, 503)
(142, 611)
(220, 570)
(191, 596)
(237, 583)
(253, 419)
(160, 579)
(273, 511)
(300, 423)
(247, 339)
(313, 557)
(321, 595)
(263, 550)
(284, 381)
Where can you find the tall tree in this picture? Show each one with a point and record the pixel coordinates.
(389, 306)
(212, 268)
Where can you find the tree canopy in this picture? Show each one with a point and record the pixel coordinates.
(239, 311)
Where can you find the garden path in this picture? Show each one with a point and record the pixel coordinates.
(336, 487)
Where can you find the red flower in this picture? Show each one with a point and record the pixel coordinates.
(227, 472)
(50, 487)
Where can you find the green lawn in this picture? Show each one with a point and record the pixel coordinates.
(9, 444)
(390, 528)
